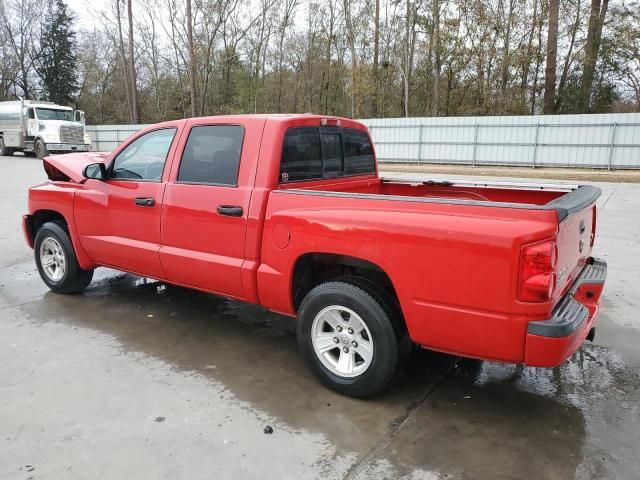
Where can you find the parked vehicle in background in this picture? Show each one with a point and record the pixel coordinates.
(40, 128)
(288, 211)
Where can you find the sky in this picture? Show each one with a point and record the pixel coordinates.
(85, 11)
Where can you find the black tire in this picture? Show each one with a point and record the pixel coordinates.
(382, 370)
(74, 279)
(394, 312)
(5, 150)
(40, 148)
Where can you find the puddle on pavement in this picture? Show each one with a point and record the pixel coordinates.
(491, 420)
(485, 418)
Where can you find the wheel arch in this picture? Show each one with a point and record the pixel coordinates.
(38, 218)
(313, 268)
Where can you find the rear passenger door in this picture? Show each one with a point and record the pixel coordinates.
(204, 213)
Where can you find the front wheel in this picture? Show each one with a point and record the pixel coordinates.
(41, 149)
(57, 262)
(348, 339)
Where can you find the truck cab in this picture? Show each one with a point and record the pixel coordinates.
(40, 128)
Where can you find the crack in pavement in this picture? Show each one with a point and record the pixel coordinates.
(396, 425)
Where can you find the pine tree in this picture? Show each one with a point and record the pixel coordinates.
(57, 65)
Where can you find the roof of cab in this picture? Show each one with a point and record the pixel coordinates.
(277, 117)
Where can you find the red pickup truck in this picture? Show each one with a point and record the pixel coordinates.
(288, 211)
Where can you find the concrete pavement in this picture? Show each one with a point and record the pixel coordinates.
(137, 379)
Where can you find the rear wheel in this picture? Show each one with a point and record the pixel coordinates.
(5, 150)
(41, 149)
(57, 262)
(347, 339)
(392, 308)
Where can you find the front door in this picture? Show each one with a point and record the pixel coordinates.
(32, 123)
(205, 207)
(118, 220)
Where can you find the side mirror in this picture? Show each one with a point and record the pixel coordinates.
(78, 116)
(96, 171)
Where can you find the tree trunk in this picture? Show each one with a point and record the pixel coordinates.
(352, 51)
(376, 54)
(506, 61)
(534, 88)
(552, 51)
(135, 115)
(125, 69)
(437, 61)
(591, 48)
(192, 62)
(527, 59)
(405, 68)
(568, 60)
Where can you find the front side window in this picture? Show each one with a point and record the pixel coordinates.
(212, 155)
(312, 153)
(144, 158)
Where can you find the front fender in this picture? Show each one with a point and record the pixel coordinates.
(57, 198)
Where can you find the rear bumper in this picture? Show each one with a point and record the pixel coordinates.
(550, 342)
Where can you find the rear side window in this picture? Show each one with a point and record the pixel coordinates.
(313, 153)
(301, 155)
(212, 155)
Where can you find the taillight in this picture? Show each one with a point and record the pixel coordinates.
(538, 272)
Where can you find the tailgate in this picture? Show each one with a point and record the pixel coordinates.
(576, 233)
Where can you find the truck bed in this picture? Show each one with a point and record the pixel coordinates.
(565, 199)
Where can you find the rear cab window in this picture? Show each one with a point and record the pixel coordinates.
(315, 153)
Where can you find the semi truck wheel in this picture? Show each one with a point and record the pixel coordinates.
(5, 150)
(57, 262)
(41, 149)
(348, 339)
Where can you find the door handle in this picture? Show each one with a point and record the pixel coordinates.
(230, 210)
(145, 201)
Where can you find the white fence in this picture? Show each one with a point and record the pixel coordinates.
(608, 141)
(105, 138)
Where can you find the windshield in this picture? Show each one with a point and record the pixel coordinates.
(53, 114)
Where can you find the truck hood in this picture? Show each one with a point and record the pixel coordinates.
(69, 167)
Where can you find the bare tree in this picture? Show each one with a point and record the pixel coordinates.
(592, 46)
(20, 23)
(192, 61)
(552, 52)
(123, 57)
(348, 20)
(135, 113)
